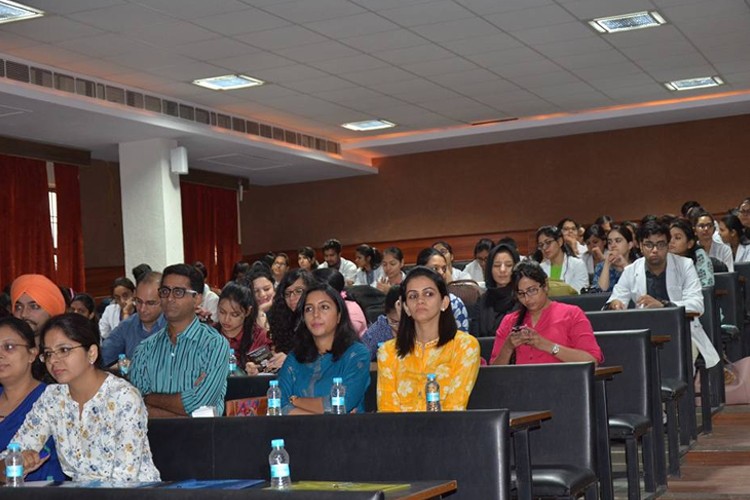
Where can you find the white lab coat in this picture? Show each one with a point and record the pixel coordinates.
(347, 268)
(683, 288)
(573, 273)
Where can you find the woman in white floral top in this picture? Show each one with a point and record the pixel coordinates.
(99, 421)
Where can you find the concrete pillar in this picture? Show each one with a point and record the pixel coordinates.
(151, 205)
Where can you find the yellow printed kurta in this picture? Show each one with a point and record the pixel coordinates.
(401, 381)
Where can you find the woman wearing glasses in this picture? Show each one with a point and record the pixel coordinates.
(542, 331)
(427, 342)
(386, 326)
(283, 315)
(705, 227)
(19, 390)
(98, 421)
(621, 254)
(556, 260)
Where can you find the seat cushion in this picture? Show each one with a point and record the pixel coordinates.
(626, 425)
(552, 480)
(672, 388)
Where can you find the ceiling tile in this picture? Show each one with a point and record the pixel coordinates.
(706, 11)
(607, 70)
(10, 41)
(375, 77)
(377, 42)
(188, 71)
(192, 9)
(421, 53)
(459, 29)
(282, 38)
(680, 73)
(605, 85)
(323, 51)
(387, 4)
(358, 24)
(575, 88)
(530, 108)
(590, 9)
(291, 73)
(249, 63)
(440, 66)
(484, 7)
(488, 87)
(501, 58)
(148, 59)
(482, 44)
(143, 80)
(121, 18)
(97, 68)
(314, 85)
(238, 23)
(537, 67)
(555, 34)
(108, 44)
(590, 59)
(556, 79)
(649, 36)
(172, 34)
(433, 12)
(460, 78)
(535, 17)
(351, 64)
(51, 29)
(70, 6)
(217, 48)
(49, 54)
(573, 47)
(308, 11)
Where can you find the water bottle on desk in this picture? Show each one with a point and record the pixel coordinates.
(338, 397)
(432, 393)
(232, 363)
(274, 398)
(123, 364)
(14, 466)
(279, 461)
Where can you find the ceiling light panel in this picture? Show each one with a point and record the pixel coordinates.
(12, 11)
(228, 82)
(627, 22)
(694, 83)
(368, 125)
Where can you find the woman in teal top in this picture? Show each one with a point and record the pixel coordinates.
(327, 347)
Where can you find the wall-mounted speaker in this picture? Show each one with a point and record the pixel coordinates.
(178, 160)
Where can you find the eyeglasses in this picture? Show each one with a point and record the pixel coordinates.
(60, 353)
(705, 226)
(744, 211)
(650, 245)
(544, 244)
(393, 323)
(177, 292)
(530, 292)
(11, 348)
(297, 292)
(148, 303)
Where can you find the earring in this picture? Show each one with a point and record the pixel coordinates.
(442, 309)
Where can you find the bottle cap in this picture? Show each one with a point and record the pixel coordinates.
(277, 443)
(14, 447)
(231, 350)
(121, 356)
(273, 383)
(430, 376)
(337, 380)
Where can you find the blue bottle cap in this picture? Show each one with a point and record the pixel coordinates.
(277, 443)
(14, 447)
(430, 376)
(337, 380)
(273, 383)
(121, 356)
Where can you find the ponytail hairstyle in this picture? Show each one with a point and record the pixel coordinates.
(370, 253)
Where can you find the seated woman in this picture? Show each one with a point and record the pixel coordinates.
(386, 326)
(121, 307)
(283, 315)
(498, 300)
(279, 267)
(542, 331)
(85, 305)
(261, 282)
(337, 281)
(306, 259)
(556, 260)
(682, 242)
(237, 323)
(327, 346)
(19, 390)
(432, 258)
(732, 232)
(369, 270)
(392, 263)
(621, 253)
(704, 226)
(569, 229)
(239, 271)
(743, 213)
(596, 247)
(451, 273)
(98, 420)
(427, 342)
(474, 270)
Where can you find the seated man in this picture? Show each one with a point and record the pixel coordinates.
(138, 327)
(185, 365)
(334, 260)
(661, 279)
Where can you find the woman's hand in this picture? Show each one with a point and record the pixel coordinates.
(572, 242)
(276, 361)
(383, 285)
(251, 368)
(32, 461)
(614, 259)
(597, 254)
(531, 337)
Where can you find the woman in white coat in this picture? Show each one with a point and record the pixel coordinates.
(557, 261)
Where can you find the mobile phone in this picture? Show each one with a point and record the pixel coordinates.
(44, 453)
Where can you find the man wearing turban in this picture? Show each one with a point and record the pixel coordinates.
(36, 299)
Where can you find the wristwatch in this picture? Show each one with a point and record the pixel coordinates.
(555, 350)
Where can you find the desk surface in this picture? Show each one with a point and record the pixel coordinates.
(660, 339)
(607, 371)
(525, 418)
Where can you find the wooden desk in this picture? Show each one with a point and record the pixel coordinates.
(521, 422)
(603, 451)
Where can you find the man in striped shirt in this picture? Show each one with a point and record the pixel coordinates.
(185, 365)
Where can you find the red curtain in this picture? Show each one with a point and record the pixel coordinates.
(70, 265)
(25, 234)
(209, 229)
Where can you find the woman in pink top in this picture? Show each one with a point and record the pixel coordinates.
(542, 331)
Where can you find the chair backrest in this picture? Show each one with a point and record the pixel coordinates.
(566, 389)
(466, 290)
(729, 298)
(743, 269)
(398, 447)
(631, 391)
(586, 301)
(710, 317)
(676, 356)
(370, 299)
(485, 347)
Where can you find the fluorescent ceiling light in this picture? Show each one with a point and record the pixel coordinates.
(228, 82)
(368, 125)
(12, 11)
(627, 22)
(694, 83)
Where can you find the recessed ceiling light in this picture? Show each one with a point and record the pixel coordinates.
(694, 83)
(228, 82)
(368, 125)
(627, 22)
(12, 11)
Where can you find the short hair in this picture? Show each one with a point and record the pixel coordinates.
(21, 328)
(188, 271)
(330, 276)
(140, 271)
(305, 350)
(685, 208)
(76, 328)
(332, 244)
(653, 228)
(122, 281)
(502, 247)
(283, 256)
(150, 278)
(201, 267)
(407, 333)
(483, 245)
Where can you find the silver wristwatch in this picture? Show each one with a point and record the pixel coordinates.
(555, 350)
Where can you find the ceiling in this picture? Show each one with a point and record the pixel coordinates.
(434, 67)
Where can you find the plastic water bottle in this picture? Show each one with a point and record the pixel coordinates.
(274, 398)
(232, 363)
(432, 393)
(338, 397)
(123, 364)
(14, 466)
(279, 461)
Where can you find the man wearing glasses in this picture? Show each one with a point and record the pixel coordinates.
(138, 327)
(661, 279)
(183, 366)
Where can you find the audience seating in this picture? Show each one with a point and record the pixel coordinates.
(633, 400)
(743, 269)
(485, 347)
(469, 292)
(470, 447)
(563, 452)
(370, 299)
(712, 389)
(731, 307)
(586, 301)
(69, 493)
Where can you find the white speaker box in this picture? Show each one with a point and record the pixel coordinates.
(178, 163)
